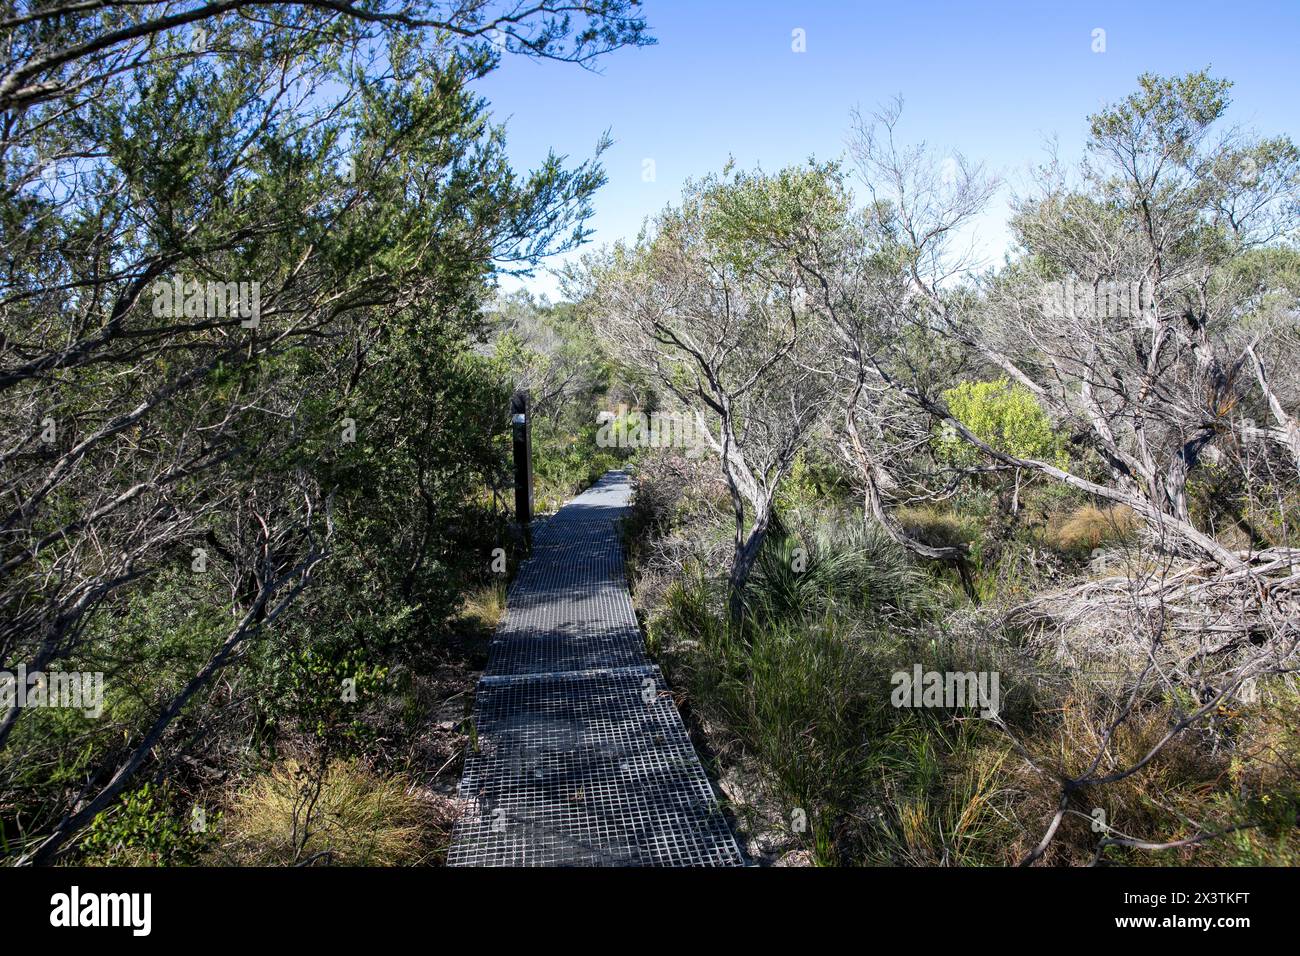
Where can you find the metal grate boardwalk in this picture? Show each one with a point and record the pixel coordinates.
(582, 758)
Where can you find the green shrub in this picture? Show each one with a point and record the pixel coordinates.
(811, 483)
(145, 829)
(1005, 416)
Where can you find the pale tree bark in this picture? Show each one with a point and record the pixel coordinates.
(1287, 428)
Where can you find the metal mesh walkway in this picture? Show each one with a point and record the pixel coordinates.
(581, 757)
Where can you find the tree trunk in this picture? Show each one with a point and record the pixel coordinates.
(1287, 432)
(743, 562)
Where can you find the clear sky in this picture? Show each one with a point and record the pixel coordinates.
(992, 79)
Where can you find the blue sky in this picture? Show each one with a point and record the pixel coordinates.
(992, 79)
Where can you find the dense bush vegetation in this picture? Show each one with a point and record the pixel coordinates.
(1072, 479)
(254, 451)
(255, 362)
(795, 702)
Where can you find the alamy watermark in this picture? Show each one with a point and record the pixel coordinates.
(193, 299)
(636, 429)
(77, 690)
(949, 690)
(76, 908)
(1085, 300)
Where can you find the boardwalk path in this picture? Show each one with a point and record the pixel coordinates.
(582, 758)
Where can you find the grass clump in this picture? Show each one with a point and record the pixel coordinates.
(801, 702)
(803, 689)
(346, 816)
(836, 563)
(938, 527)
(485, 606)
(942, 799)
(1089, 527)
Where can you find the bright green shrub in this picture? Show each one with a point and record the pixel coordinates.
(1004, 415)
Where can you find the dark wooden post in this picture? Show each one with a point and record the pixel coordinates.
(522, 427)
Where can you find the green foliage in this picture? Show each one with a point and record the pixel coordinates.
(145, 829)
(801, 698)
(1167, 114)
(807, 696)
(812, 482)
(149, 646)
(835, 564)
(323, 694)
(565, 462)
(375, 215)
(753, 218)
(1004, 416)
(944, 803)
(550, 351)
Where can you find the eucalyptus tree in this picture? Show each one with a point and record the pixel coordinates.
(883, 274)
(1136, 311)
(1148, 289)
(719, 318)
(246, 246)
